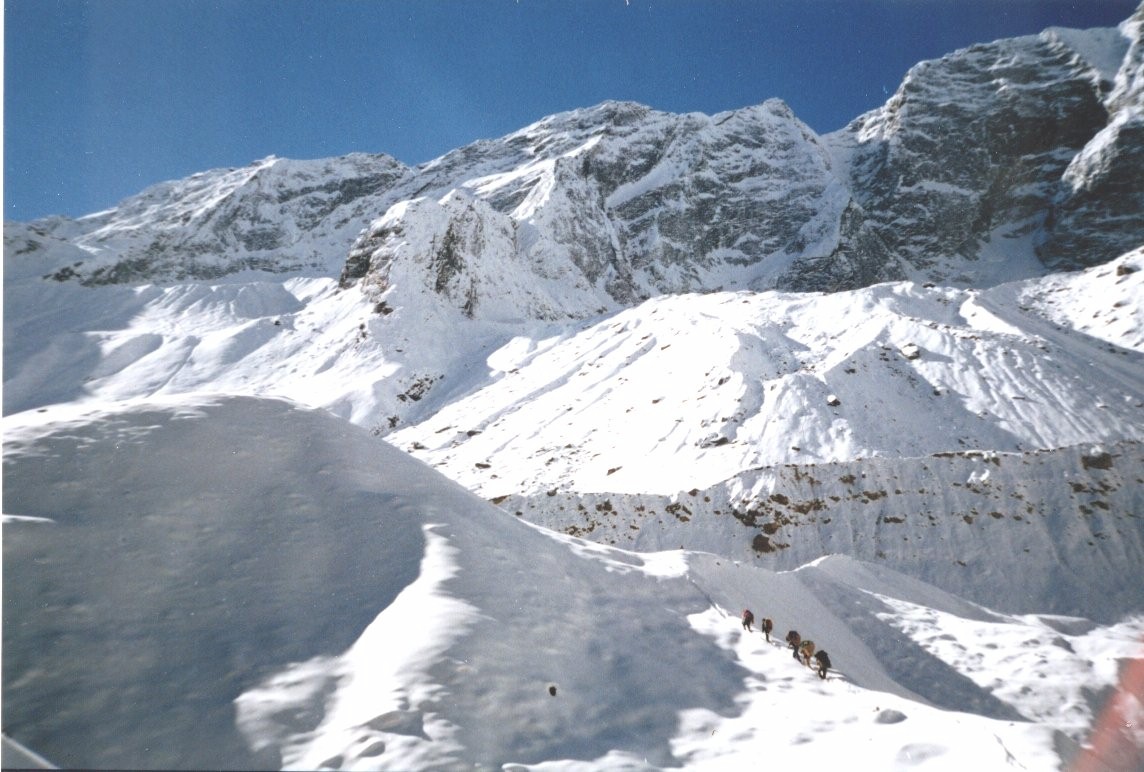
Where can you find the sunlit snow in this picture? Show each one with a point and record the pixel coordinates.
(342, 464)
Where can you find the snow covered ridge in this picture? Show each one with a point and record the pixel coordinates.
(275, 215)
(1029, 147)
(233, 582)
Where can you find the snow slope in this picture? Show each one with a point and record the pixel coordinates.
(687, 390)
(706, 422)
(954, 409)
(233, 582)
(753, 370)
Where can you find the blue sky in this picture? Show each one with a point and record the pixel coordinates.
(105, 97)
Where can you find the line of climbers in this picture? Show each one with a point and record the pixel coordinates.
(803, 650)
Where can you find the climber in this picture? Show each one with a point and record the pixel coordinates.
(767, 625)
(793, 639)
(748, 619)
(823, 663)
(806, 651)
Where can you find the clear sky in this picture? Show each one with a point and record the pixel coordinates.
(105, 97)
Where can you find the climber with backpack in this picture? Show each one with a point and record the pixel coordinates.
(793, 639)
(748, 619)
(823, 663)
(767, 625)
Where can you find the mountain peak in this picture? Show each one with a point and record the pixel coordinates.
(1011, 141)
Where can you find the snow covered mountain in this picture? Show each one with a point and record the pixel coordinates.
(1026, 149)
(673, 362)
(275, 215)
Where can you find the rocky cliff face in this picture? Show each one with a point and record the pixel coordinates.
(1099, 206)
(973, 148)
(999, 161)
(618, 203)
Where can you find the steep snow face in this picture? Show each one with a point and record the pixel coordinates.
(462, 254)
(235, 582)
(1128, 92)
(620, 203)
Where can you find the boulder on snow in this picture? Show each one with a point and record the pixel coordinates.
(833, 400)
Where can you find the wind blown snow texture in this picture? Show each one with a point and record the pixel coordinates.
(928, 459)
